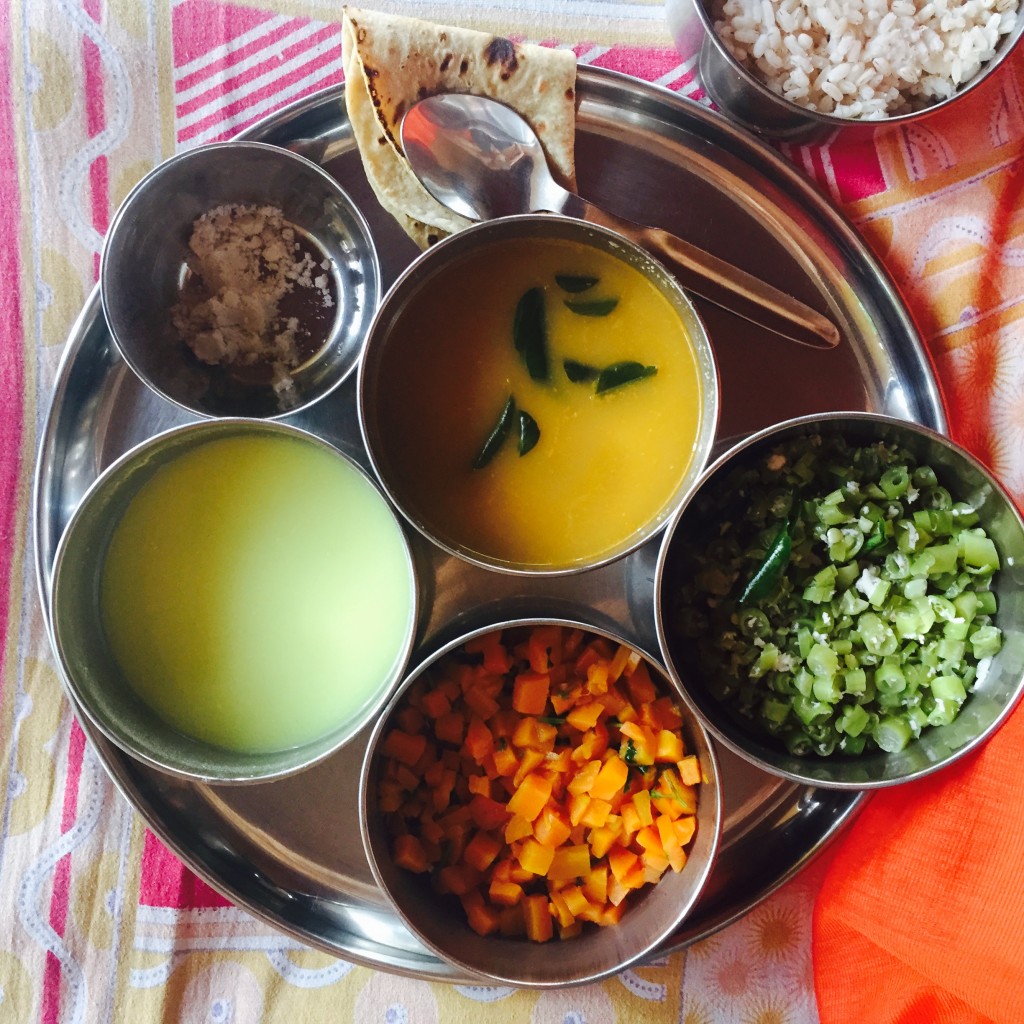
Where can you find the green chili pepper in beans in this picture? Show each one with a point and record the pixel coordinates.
(768, 574)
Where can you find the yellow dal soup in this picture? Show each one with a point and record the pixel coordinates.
(604, 464)
(257, 592)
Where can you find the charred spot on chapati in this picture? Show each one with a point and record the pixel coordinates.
(502, 51)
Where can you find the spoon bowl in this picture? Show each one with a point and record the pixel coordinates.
(483, 160)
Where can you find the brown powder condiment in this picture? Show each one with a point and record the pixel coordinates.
(247, 260)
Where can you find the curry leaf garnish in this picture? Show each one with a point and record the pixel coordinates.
(580, 373)
(575, 283)
(529, 432)
(592, 307)
(530, 333)
(497, 436)
(626, 372)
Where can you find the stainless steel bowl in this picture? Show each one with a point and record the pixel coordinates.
(745, 99)
(145, 263)
(988, 703)
(92, 674)
(376, 379)
(653, 913)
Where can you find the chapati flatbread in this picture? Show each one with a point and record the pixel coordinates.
(392, 61)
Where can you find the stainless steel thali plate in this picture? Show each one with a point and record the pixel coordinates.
(289, 851)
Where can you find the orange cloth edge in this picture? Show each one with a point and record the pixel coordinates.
(951, 846)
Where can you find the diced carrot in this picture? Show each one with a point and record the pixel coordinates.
(531, 759)
(563, 699)
(595, 884)
(649, 838)
(685, 828)
(410, 720)
(560, 762)
(458, 878)
(641, 801)
(611, 914)
(517, 828)
(480, 703)
(585, 716)
(530, 692)
(505, 761)
(641, 688)
(610, 779)
(511, 922)
(569, 862)
(655, 865)
(543, 649)
(596, 814)
(479, 741)
(479, 785)
(590, 655)
(670, 841)
(551, 827)
(563, 915)
(404, 747)
(487, 813)
(578, 804)
(570, 931)
(537, 916)
(617, 892)
(533, 733)
(601, 840)
(681, 799)
(575, 900)
(618, 662)
(584, 778)
(430, 830)
(632, 663)
(615, 703)
(664, 713)
(535, 857)
(483, 918)
(482, 850)
(436, 703)
(408, 853)
(669, 746)
(389, 795)
(572, 641)
(442, 792)
(689, 770)
(451, 728)
(597, 677)
(621, 861)
(643, 742)
(530, 796)
(507, 894)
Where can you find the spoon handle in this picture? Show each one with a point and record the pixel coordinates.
(719, 282)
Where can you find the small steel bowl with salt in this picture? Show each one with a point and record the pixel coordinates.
(239, 279)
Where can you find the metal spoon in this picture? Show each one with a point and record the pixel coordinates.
(480, 158)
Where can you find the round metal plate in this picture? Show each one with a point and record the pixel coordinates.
(288, 851)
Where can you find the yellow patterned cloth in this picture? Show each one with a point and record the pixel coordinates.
(101, 922)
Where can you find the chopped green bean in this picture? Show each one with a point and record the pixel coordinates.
(872, 613)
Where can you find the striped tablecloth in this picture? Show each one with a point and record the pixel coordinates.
(100, 922)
